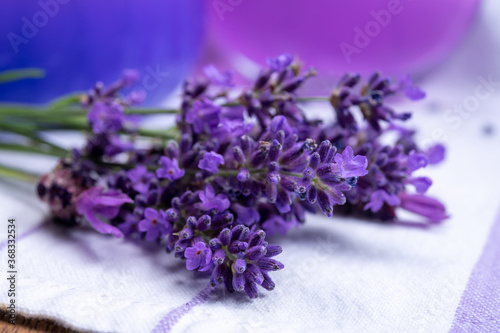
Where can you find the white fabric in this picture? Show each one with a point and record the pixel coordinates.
(341, 275)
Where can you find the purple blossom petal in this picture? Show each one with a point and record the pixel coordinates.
(169, 169)
(95, 202)
(411, 91)
(425, 206)
(204, 116)
(350, 165)
(211, 201)
(421, 184)
(435, 154)
(416, 161)
(280, 62)
(210, 162)
(106, 118)
(245, 215)
(377, 200)
(219, 78)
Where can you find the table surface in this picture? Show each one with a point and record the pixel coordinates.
(31, 325)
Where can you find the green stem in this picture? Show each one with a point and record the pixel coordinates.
(312, 98)
(27, 132)
(30, 149)
(151, 111)
(17, 174)
(21, 74)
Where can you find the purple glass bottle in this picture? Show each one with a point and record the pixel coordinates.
(394, 36)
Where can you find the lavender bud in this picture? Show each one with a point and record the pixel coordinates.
(280, 137)
(225, 236)
(273, 168)
(186, 233)
(271, 192)
(176, 203)
(219, 257)
(172, 215)
(324, 149)
(218, 275)
(215, 244)
(288, 183)
(186, 143)
(247, 144)
(238, 155)
(308, 173)
(256, 252)
(312, 194)
(240, 265)
(203, 223)
(262, 79)
(187, 198)
(267, 284)
(172, 149)
(243, 175)
(253, 274)
(191, 222)
(331, 155)
(237, 230)
(274, 151)
(314, 161)
(222, 220)
(238, 282)
(273, 250)
(325, 203)
(237, 246)
(267, 264)
(251, 289)
(256, 238)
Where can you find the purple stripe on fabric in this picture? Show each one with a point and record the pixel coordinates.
(479, 308)
(167, 323)
(23, 235)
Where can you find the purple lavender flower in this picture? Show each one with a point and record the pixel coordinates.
(96, 202)
(130, 225)
(421, 184)
(435, 154)
(199, 256)
(280, 62)
(245, 215)
(416, 161)
(378, 198)
(169, 169)
(210, 162)
(217, 77)
(139, 176)
(204, 116)
(210, 201)
(106, 118)
(411, 91)
(154, 224)
(277, 224)
(116, 146)
(425, 206)
(350, 165)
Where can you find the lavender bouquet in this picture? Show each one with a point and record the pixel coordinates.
(240, 164)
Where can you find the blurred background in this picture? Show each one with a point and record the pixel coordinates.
(78, 42)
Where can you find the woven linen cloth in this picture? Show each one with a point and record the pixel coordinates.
(341, 274)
